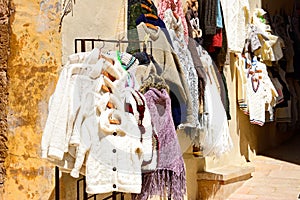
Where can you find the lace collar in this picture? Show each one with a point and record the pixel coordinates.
(154, 35)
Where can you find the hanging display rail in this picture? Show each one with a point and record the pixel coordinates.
(88, 45)
(91, 43)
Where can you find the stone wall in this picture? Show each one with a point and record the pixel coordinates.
(4, 50)
(33, 64)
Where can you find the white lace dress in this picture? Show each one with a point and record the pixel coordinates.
(176, 32)
(215, 138)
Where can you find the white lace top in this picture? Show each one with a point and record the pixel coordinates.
(176, 32)
(215, 138)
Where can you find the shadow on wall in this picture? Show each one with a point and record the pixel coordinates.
(68, 188)
(289, 151)
(72, 189)
(255, 139)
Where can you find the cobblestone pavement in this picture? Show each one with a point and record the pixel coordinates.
(276, 176)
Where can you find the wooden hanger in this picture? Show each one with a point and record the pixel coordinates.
(149, 1)
(110, 60)
(110, 105)
(175, 15)
(108, 75)
(146, 7)
(151, 26)
(114, 121)
(105, 88)
(150, 15)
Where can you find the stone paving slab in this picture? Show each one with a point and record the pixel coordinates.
(275, 177)
(276, 184)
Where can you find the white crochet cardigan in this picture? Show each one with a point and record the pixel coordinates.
(113, 158)
(65, 103)
(110, 156)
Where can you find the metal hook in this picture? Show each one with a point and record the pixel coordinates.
(102, 46)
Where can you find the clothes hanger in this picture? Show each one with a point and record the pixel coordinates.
(150, 15)
(151, 26)
(154, 81)
(110, 60)
(105, 88)
(146, 7)
(114, 120)
(175, 15)
(110, 105)
(149, 1)
(100, 49)
(108, 75)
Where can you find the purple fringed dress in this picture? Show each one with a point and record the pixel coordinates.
(168, 180)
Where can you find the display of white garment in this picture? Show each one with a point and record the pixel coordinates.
(55, 139)
(241, 66)
(261, 93)
(79, 137)
(113, 160)
(236, 15)
(271, 45)
(175, 29)
(215, 139)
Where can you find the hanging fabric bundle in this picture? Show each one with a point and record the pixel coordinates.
(169, 178)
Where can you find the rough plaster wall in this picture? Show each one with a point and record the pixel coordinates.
(104, 19)
(35, 57)
(4, 48)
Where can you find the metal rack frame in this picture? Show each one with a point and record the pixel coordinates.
(82, 43)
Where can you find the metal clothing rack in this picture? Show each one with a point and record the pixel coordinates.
(87, 45)
(83, 43)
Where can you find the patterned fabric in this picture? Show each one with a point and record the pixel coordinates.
(168, 62)
(196, 60)
(180, 47)
(260, 92)
(169, 179)
(175, 6)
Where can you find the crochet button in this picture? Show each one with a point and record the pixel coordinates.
(114, 150)
(114, 186)
(115, 133)
(114, 169)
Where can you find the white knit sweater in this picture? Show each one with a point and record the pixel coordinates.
(260, 93)
(113, 159)
(64, 105)
(78, 116)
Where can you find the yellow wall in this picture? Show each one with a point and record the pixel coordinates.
(35, 57)
(94, 19)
